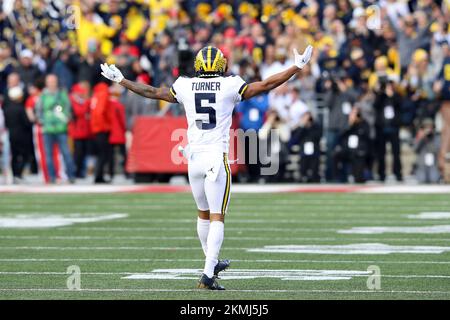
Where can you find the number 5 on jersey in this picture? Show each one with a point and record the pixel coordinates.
(201, 109)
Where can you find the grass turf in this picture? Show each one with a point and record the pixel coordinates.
(160, 233)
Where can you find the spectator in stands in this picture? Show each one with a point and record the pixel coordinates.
(358, 69)
(409, 37)
(280, 62)
(420, 78)
(27, 71)
(7, 65)
(168, 57)
(353, 148)
(101, 128)
(53, 112)
(382, 71)
(80, 126)
(395, 9)
(13, 80)
(307, 81)
(34, 92)
(139, 73)
(89, 65)
(297, 108)
(280, 101)
(118, 129)
(427, 145)
(387, 125)
(63, 68)
(268, 62)
(125, 63)
(328, 58)
(43, 59)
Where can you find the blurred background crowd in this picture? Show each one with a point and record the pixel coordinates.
(373, 104)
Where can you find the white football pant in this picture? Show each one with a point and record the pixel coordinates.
(210, 180)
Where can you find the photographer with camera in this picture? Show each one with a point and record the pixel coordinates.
(427, 146)
(353, 148)
(274, 144)
(387, 126)
(339, 99)
(307, 135)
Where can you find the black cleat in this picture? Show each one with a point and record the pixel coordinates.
(209, 283)
(221, 266)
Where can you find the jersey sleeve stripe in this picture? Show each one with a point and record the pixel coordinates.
(243, 88)
(174, 94)
(226, 196)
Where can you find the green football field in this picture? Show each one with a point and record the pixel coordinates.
(282, 246)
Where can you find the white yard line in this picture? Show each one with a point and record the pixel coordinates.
(236, 216)
(130, 273)
(300, 220)
(243, 229)
(121, 260)
(109, 248)
(62, 221)
(367, 208)
(38, 273)
(356, 238)
(230, 290)
(242, 205)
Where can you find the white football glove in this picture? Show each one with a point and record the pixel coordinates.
(112, 73)
(300, 60)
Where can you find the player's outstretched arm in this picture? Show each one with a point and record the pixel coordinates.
(148, 91)
(300, 60)
(112, 73)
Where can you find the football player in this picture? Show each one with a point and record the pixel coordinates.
(209, 99)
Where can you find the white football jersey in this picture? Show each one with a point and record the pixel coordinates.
(209, 104)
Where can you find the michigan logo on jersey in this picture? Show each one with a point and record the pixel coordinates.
(210, 62)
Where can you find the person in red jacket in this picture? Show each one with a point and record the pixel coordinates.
(34, 92)
(118, 127)
(101, 127)
(80, 126)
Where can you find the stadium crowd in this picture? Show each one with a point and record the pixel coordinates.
(380, 75)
